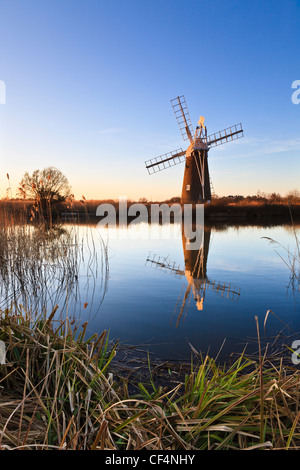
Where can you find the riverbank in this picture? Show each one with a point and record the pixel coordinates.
(61, 390)
(261, 211)
(214, 211)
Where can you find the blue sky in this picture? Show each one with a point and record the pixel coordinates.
(88, 87)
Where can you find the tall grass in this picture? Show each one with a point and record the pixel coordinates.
(41, 265)
(61, 390)
(290, 258)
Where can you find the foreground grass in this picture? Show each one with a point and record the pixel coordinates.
(60, 390)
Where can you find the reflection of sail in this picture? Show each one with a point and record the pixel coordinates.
(164, 264)
(195, 271)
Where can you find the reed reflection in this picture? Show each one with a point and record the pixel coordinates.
(58, 266)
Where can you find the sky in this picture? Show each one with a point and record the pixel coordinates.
(85, 86)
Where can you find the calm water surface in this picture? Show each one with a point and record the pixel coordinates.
(155, 292)
(164, 296)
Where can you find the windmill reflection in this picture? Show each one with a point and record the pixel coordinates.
(195, 272)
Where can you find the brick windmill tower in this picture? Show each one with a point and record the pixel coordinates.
(196, 187)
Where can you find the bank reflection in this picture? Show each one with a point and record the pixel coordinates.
(195, 273)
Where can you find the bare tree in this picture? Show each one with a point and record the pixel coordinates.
(47, 188)
(293, 196)
(49, 184)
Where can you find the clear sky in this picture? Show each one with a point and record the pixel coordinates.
(88, 85)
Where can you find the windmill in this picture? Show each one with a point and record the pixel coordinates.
(195, 272)
(196, 187)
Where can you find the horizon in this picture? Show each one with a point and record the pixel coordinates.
(175, 199)
(87, 88)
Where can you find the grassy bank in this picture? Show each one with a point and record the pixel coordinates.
(250, 208)
(61, 390)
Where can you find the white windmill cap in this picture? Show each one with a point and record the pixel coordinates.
(201, 121)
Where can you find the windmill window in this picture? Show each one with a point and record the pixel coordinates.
(188, 187)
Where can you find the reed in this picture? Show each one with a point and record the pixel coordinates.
(61, 390)
(40, 263)
(290, 257)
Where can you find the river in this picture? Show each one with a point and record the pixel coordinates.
(146, 287)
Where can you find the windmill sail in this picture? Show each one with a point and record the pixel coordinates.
(226, 135)
(178, 156)
(165, 161)
(183, 118)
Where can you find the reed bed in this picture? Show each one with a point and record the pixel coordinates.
(290, 257)
(43, 264)
(61, 390)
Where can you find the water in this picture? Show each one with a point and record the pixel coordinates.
(161, 295)
(169, 299)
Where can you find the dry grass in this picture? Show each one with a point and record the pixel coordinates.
(61, 390)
